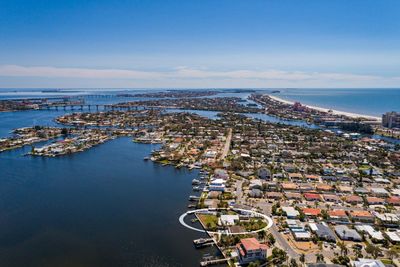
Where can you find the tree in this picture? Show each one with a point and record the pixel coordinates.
(373, 250)
(302, 258)
(279, 256)
(392, 253)
(293, 263)
(342, 260)
(357, 251)
(343, 248)
(271, 239)
(254, 264)
(262, 235)
(320, 257)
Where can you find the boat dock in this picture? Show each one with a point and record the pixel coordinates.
(207, 262)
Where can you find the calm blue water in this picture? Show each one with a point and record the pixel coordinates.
(103, 207)
(373, 102)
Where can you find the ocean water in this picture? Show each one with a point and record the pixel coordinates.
(373, 102)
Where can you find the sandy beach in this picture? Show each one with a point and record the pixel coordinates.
(337, 112)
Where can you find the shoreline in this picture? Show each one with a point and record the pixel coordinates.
(335, 112)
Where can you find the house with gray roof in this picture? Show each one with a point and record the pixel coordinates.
(345, 233)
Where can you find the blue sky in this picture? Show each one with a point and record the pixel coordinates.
(200, 43)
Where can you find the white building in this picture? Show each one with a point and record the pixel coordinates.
(368, 229)
(217, 185)
(229, 219)
(291, 212)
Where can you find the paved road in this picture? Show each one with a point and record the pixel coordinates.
(227, 144)
(281, 242)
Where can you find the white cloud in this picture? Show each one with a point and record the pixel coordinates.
(187, 76)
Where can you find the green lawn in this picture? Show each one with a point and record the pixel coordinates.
(209, 221)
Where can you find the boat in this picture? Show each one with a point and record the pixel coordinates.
(195, 181)
(194, 198)
(146, 158)
(196, 188)
(202, 242)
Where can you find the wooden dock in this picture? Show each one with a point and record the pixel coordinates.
(212, 262)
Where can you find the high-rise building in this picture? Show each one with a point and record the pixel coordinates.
(391, 119)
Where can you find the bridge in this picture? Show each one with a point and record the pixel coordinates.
(104, 107)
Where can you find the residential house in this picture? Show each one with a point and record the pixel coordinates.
(375, 201)
(331, 198)
(291, 213)
(322, 231)
(345, 233)
(368, 229)
(217, 185)
(353, 199)
(312, 197)
(250, 250)
(379, 192)
(338, 216)
(388, 219)
(311, 212)
(362, 216)
(295, 196)
(367, 263)
(393, 200)
(298, 230)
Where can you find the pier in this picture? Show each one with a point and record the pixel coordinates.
(208, 262)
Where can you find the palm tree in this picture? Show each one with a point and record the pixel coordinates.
(262, 234)
(293, 263)
(343, 248)
(357, 251)
(302, 258)
(320, 257)
(392, 253)
(373, 250)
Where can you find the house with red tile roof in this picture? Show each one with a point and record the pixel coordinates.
(324, 187)
(353, 199)
(250, 250)
(395, 201)
(338, 215)
(375, 201)
(310, 212)
(362, 216)
(312, 197)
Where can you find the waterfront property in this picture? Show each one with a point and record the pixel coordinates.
(250, 250)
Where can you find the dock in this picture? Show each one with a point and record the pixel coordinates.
(208, 262)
